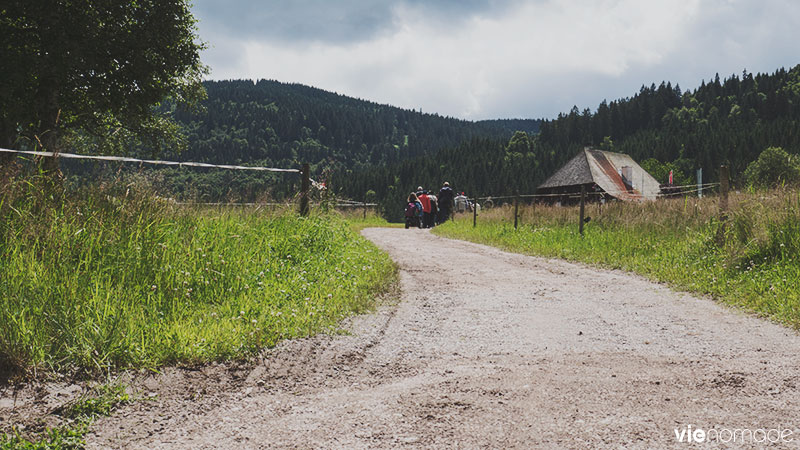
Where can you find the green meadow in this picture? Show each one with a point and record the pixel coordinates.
(110, 278)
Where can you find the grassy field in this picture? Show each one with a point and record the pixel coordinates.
(113, 278)
(752, 261)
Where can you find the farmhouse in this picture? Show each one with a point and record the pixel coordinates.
(605, 175)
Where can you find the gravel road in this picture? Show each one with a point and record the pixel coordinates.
(493, 350)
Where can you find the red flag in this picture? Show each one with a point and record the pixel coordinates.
(670, 177)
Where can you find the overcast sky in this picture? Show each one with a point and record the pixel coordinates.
(482, 59)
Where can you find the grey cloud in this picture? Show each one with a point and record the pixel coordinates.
(343, 21)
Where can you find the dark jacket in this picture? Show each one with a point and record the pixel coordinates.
(445, 198)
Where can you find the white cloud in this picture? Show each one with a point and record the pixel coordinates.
(530, 60)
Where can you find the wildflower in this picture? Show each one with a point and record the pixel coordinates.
(153, 287)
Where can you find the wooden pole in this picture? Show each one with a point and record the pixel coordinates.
(724, 186)
(516, 210)
(475, 212)
(304, 187)
(583, 202)
(365, 206)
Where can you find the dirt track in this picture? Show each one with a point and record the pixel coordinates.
(487, 349)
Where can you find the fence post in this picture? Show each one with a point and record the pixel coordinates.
(724, 186)
(475, 212)
(516, 209)
(583, 201)
(365, 206)
(305, 185)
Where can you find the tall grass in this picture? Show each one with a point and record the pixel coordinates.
(113, 277)
(751, 260)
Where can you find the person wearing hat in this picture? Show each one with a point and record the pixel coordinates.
(445, 202)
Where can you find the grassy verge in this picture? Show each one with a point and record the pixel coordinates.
(752, 261)
(111, 278)
(358, 222)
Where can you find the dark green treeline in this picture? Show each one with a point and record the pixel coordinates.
(726, 121)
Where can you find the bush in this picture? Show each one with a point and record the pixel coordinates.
(773, 167)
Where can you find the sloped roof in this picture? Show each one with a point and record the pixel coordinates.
(605, 170)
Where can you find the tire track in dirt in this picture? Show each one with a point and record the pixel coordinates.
(487, 349)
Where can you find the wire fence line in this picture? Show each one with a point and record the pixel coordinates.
(341, 203)
(149, 161)
(288, 205)
(695, 187)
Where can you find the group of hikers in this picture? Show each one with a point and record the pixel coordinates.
(426, 209)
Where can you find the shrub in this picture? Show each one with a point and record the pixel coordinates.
(773, 167)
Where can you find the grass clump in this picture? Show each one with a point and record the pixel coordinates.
(77, 416)
(751, 260)
(58, 438)
(113, 277)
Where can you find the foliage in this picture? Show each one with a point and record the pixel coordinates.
(672, 241)
(114, 278)
(99, 401)
(57, 438)
(94, 70)
(660, 171)
(772, 168)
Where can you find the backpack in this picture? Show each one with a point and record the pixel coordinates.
(411, 209)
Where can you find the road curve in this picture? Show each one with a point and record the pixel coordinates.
(489, 349)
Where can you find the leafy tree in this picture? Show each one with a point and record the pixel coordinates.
(773, 167)
(660, 171)
(87, 70)
(519, 143)
(607, 144)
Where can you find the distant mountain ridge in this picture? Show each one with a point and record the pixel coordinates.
(285, 124)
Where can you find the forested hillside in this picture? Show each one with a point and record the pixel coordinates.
(285, 124)
(728, 121)
(275, 124)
